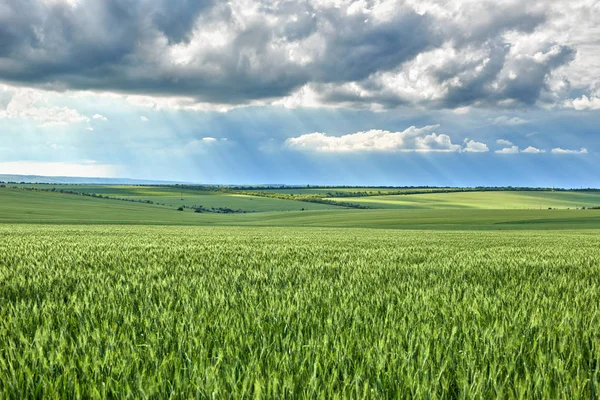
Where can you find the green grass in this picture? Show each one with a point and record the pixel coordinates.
(23, 206)
(35, 207)
(174, 197)
(482, 200)
(455, 297)
(436, 219)
(20, 206)
(325, 190)
(201, 312)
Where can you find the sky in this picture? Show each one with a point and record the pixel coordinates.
(320, 92)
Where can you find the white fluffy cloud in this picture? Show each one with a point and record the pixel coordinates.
(584, 103)
(504, 142)
(99, 117)
(410, 140)
(533, 150)
(472, 146)
(31, 104)
(509, 150)
(512, 149)
(144, 118)
(559, 150)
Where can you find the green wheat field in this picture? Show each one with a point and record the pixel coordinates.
(421, 295)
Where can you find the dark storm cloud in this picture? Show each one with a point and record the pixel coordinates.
(521, 80)
(50, 43)
(530, 74)
(131, 46)
(355, 49)
(176, 18)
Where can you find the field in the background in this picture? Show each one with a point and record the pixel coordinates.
(133, 311)
(483, 200)
(347, 190)
(431, 219)
(175, 197)
(24, 206)
(265, 199)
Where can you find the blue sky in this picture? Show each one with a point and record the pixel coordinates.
(490, 93)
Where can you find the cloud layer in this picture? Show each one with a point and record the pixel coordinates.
(413, 139)
(30, 104)
(410, 140)
(512, 149)
(373, 54)
(558, 150)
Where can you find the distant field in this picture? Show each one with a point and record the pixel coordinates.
(173, 197)
(326, 190)
(246, 312)
(22, 206)
(431, 219)
(482, 200)
(173, 193)
(495, 200)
